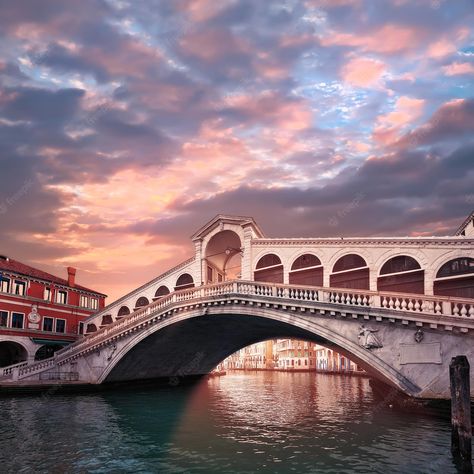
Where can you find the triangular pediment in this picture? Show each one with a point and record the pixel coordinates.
(220, 219)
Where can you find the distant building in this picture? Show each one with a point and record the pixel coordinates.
(328, 360)
(40, 312)
(290, 355)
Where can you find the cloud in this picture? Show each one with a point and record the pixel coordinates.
(363, 72)
(456, 69)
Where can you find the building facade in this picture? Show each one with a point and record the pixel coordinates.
(290, 355)
(40, 312)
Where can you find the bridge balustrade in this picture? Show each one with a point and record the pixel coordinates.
(446, 306)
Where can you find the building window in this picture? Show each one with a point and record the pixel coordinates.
(81, 328)
(19, 288)
(4, 285)
(61, 325)
(84, 301)
(48, 324)
(17, 320)
(47, 294)
(3, 319)
(61, 297)
(94, 303)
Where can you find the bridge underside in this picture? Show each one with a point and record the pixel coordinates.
(195, 346)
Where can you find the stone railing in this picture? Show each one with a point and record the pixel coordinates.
(436, 305)
(8, 371)
(431, 305)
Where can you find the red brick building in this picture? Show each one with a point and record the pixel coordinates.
(40, 312)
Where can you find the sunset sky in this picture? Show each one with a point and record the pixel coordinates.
(126, 125)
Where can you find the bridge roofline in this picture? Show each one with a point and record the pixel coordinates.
(444, 240)
(466, 222)
(243, 221)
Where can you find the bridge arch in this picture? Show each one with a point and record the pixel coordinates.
(123, 311)
(142, 301)
(269, 268)
(306, 269)
(223, 254)
(184, 281)
(350, 271)
(194, 343)
(163, 290)
(401, 273)
(455, 278)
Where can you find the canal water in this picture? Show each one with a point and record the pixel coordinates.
(263, 422)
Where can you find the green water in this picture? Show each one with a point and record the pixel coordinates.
(241, 423)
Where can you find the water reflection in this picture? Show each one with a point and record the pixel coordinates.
(257, 422)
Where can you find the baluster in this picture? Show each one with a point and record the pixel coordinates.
(359, 300)
(384, 302)
(463, 310)
(471, 311)
(417, 305)
(390, 302)
(404, 304)
(455, 309)
(397, 303)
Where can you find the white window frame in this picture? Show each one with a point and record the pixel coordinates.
(52, 325)
(11, 319)
(58, 299)
(19, 284)
(83, 301)
(7, 282)
(94, 303)
(8, 318)
(47, 293)
(56, 325)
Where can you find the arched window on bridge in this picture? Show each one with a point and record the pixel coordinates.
(350, 271)
(123, 311)
(184, 281)
(91, 327)
(142, 301)
(456, 278)
(269, 269)
(402, 274)
(161, 291)
(106, 319)
(307, 270)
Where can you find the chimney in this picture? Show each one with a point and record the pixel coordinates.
(71, 276)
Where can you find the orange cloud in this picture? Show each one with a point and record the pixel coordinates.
(363, 72)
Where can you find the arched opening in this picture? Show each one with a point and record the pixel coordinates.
(307, 270)
(456, 278)
(106, 319)
(90, 328)
(142, 301)
(47, 351)
(223, 257)
(162, 291)
(184, 281)
(123, 311)
(402, 274)
(12, 353)
(269, 269)
(350, 271)
(209, 339)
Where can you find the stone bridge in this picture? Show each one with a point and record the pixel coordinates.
(404, 340)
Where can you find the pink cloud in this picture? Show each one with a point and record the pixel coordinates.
(389, 126)
(386, 40)
(363, 72)
(455, 69)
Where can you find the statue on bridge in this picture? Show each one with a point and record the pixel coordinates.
(368, 339)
